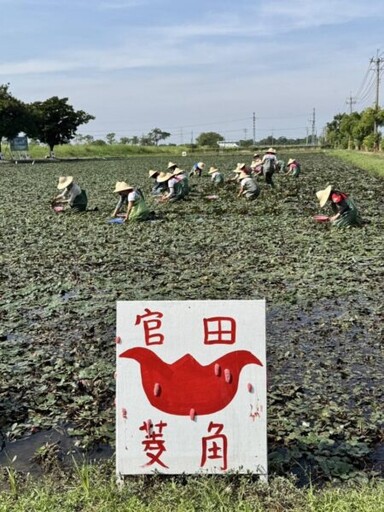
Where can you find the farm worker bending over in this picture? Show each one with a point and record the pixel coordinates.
(344, 209)
(257, 164)
(269, 163)
(72, 195)
(216, 177)
(178, 186)
(133, 200)
(237, 172)
(248, 187)
(171, 167)
(197, 169)
(157, 188)
(294, 167)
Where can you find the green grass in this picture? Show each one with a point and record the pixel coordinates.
(373, 162)
(94, 489)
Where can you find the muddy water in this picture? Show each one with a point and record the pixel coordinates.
(57, 448)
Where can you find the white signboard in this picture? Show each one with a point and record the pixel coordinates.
(191, 387)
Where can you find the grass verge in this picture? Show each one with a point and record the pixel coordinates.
(373, 162)
(93, 488)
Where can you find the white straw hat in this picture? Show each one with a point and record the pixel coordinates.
(121, 186)
(323, 195)
(64, 181)
(165, 177)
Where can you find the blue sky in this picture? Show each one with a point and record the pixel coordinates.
(195, 66)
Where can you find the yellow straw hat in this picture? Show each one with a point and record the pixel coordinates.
(291, 161)
(165, 177)
(271, 150)
(177, 171)
(64, 181)
(323, 195)
(212, 170)
(121, 186)
(238, 168)
(151, 173)
(161, 174)
(171, 165)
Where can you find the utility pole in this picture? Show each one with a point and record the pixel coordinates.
(313, 127)
(378, 68)
(350, 101)
(254, 128)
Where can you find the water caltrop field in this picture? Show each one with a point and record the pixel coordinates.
(61, 275)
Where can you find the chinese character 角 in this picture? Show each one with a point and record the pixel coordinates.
(215, 446)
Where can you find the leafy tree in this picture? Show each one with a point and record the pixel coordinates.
(98, 142)
(14, 116)
(135, 140)
(56, 121)
(88, 139)
(156, 135)
(124, 140)
(209, 139)
(146, 140)
(111, 138)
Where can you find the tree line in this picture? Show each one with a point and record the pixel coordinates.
(357, 130)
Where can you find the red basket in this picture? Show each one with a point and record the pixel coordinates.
(321, 218)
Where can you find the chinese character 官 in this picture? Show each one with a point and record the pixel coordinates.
(151, 322)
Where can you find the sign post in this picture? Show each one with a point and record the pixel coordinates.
(19, 143)
(191, 387)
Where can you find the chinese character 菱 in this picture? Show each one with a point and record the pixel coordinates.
(154, 444)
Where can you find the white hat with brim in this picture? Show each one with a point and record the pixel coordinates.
(122, 186)
(200, 165)
(323, 195)
(291, 161)
(271, 150)
(165, 177)
(171, 164)
(177, 171)
(151, 173)
(212, 170)
(64, 181)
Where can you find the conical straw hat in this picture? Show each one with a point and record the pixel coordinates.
(121, 186)
(64, 181)
(323, 195)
